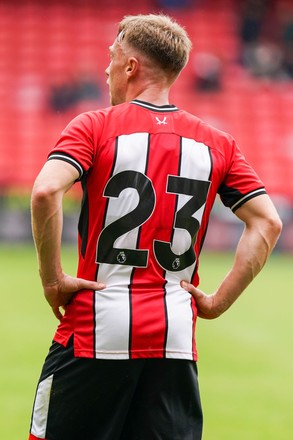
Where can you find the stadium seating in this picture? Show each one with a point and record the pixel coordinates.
(41, 45)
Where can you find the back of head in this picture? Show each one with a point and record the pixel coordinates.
(159, 38)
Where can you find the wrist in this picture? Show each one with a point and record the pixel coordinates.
(52, 279)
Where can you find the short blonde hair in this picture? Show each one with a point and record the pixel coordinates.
(158, 37)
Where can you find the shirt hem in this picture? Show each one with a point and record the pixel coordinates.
(62, 339)
(136, 355)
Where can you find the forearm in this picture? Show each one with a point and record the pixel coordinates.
(251, 254)
(59, 288)
(54, 180)
(47, 220)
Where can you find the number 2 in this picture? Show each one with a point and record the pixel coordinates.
(108, 253)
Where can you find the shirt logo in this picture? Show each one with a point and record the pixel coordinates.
(161, 122)
(176, 264)
(121, 257)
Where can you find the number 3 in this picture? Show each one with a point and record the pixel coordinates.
(108, 253)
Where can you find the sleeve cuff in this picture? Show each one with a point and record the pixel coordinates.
(68, 159)
(247, 197)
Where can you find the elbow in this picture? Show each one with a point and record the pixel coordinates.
(276, 225)
(274, 229)
(42, 194)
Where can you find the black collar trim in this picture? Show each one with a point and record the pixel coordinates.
(156, 108)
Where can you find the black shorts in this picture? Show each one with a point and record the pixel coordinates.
(93, 399)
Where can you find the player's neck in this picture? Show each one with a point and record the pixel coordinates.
(154, 95)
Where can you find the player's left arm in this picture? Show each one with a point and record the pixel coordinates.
(262, 227)
(55, 178)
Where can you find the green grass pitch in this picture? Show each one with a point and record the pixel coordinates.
(245, 356)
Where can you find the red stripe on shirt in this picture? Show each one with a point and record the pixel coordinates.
(33, 437)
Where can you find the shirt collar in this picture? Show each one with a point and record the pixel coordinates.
(156, 108)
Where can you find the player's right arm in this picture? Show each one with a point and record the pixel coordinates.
(54, 180)
(261, 231)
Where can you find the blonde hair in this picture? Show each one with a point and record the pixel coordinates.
(159, 38)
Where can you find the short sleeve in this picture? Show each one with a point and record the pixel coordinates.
(77, 143)
(241, 182)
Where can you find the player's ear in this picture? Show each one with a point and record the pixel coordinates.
(132, 67)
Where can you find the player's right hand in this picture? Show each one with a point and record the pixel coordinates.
(60, 292)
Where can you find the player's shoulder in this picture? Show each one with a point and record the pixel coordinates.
(205, 132)
(93, 118)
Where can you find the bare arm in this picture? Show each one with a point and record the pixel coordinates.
(262, 229)
(54, 180)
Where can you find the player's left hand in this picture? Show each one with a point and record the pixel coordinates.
(206, 304)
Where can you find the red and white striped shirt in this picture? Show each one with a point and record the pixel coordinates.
(150, 176)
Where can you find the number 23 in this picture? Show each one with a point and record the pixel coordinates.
(168, 260)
